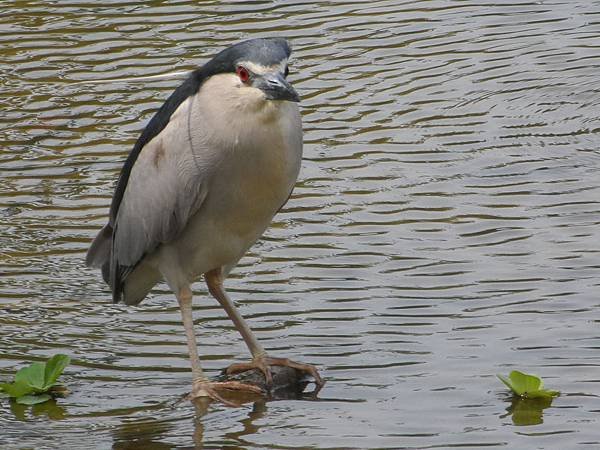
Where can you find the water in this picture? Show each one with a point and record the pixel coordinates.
(445, 227)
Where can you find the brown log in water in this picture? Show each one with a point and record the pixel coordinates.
(288, 383)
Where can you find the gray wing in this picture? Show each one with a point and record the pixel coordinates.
(165, 187)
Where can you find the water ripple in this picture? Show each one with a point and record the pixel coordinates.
(445, 227)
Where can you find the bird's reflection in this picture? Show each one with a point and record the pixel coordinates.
(249, 426)
(259, 409)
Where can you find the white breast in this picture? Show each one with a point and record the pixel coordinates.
(254, 152)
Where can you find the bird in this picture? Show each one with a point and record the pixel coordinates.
(202, 183)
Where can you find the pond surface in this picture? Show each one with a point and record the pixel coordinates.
(446, 226)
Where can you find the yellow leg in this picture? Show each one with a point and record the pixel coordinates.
(201, 386)
(214, 281)
(260, 360)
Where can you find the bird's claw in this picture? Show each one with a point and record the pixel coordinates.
(264, 362)
(208, 389)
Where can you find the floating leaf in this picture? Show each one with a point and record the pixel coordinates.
(54, 368)
(16, 389)
(543, 393)
(526, 385)
(33, 375)
(37, 378)
(33, 399)
(506, 381)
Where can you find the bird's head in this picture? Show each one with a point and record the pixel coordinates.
(260, 67)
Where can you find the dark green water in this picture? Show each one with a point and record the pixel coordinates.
(446, 226)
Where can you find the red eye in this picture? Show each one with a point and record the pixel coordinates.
(243, 73)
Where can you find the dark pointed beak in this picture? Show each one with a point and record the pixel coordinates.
(276, 87)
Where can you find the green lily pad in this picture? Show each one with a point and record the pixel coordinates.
(526, 385)
(33, 399)
(37, 378)
(16, 389)
(33, 375)
(54, 368)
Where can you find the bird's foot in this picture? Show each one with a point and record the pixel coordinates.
(264, 362)
(205, 389)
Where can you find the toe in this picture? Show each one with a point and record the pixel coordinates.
(263, 366)
(237, 386)
(203, 389)
(215, 396)
(239, 367)
(209, 390)
(307, 368)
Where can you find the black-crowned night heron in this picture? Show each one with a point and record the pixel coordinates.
(201, 185)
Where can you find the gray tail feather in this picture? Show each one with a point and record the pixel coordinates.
(99, 253)
(139, 283)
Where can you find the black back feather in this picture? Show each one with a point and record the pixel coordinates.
(265, 52)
